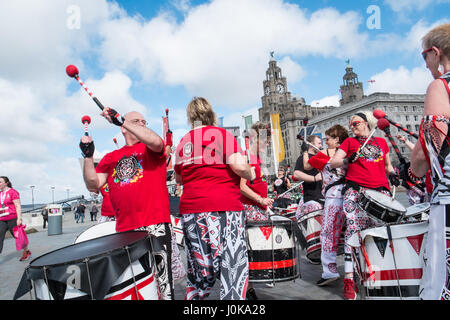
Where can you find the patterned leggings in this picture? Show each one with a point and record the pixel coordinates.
(332, 222)
(357, 220)
(216, 247)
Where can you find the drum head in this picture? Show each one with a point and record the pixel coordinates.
(417, 209)
(88, 249)
(97, 231)
(384, 200)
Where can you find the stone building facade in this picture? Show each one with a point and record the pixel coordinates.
(293, 110)
(406, 109)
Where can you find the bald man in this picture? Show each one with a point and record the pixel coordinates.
(136, 175)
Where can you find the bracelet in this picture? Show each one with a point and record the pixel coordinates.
(412, 176)
(315, 179)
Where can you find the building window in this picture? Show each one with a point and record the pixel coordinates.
(417, 127)
(408, 126)
(405, 108)
(396, 108)
(407, 118)
(416, 118)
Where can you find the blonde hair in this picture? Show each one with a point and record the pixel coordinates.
(371, 120)
(200, 110)
(438, 37)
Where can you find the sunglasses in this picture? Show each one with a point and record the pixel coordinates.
(424, 53)
(354, 124)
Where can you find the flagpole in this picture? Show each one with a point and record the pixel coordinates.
(272, 136)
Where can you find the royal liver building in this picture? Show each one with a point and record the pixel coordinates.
(406, 109)
(294, 112)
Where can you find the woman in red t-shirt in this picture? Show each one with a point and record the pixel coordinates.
(367, 169)
(10, 213)
(209, 165)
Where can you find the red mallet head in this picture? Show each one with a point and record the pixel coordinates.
(72, 71)
(86, 119)
(382, 123)
(379, 113)
(167, 112)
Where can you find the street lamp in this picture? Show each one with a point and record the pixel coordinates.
(53, 194)
(32, 195)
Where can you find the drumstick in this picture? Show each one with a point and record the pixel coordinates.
(381, 114)
(391, 244)
(86, 120)
(368, 138)
(289, 189)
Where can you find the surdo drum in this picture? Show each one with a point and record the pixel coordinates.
(272, 250)
(311, 225)
(381, 207)
(391, 269)
(113, 267)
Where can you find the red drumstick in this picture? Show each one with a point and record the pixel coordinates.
(86, 120)
(115, 142)
(72, 71)
(381, 114)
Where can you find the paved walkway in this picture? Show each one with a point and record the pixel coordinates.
(303, 288)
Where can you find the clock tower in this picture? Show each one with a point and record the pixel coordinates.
(276, 93)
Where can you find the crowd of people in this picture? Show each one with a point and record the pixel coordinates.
(223, 189)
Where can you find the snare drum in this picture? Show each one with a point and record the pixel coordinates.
(417, 212)
(375, 255)
(289, 212)
(381, 207)
(97, 231)
(114, 267)
(311, 225)
(272, 250)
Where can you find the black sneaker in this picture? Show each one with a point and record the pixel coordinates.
(251, 294)
(323, 282)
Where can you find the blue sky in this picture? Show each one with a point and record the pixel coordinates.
(153, 55)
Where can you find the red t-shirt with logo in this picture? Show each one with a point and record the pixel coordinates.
(107, 208)
(209, 184)
(258, 186)
(8, 210)
(369, 170)
(137, 186)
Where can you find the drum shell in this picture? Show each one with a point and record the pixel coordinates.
(380, 212)
(311, 225)
(409, 242)
(122, 289)
(272, 251)
(56, 278)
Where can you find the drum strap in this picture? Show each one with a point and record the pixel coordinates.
(366, 258)
(352, 184)
(338, 182)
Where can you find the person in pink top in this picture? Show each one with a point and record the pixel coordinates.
(209, 165)
(10, 213)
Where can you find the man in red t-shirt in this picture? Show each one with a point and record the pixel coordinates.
(107, 211)
(136, 176)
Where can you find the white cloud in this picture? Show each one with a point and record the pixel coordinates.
(291, 70)
(326, 101)
(218, 51)
(401, 80)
